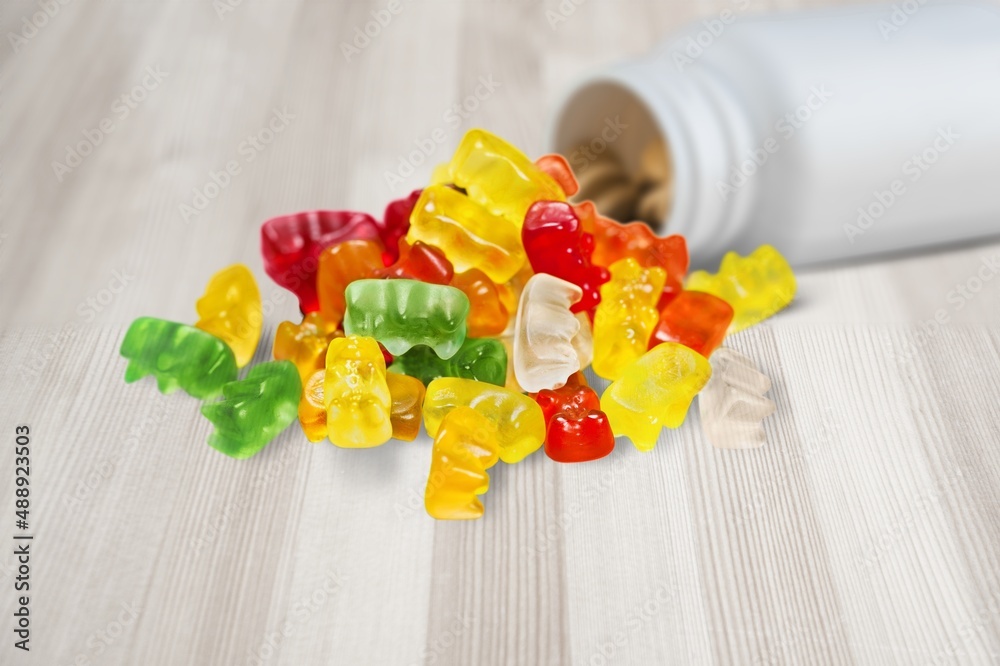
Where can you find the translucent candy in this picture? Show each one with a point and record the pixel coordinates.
(757, 286)
(655, 392)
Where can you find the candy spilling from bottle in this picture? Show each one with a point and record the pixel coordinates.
(473, 306)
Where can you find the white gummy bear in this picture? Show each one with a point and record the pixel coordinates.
(732, 404)
(550, 342)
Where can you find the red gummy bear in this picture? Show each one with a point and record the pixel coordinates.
(556, 244)
(386, 356)
(396, 222)
(419, 261)
(291, 245)
(696, 320)
(577, 430)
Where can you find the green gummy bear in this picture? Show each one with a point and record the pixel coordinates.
(254, 410)
(482, 359)
(404, 313)
(179, 356)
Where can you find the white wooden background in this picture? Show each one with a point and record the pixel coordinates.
(866, 531)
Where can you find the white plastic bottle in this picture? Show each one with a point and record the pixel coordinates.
(829, 134)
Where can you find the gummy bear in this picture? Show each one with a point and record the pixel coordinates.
(404, 313)
(500, 177)
(465, 447)
(511, 383)
(231, 311)
(519, 420)
(468, 234)
(577, 429)
(407, 395)
(655, 391)
(356, 394)
(291, 245)
(510, 291)
(396, 222)
(694, 319)
(305, 344)
(556, 166)
(312, 408)
(614, 241)
(482, 359)
(556, 244)
(339, 266)
(733, 405)
(550, 342)
(757, 286)
(254, 410)
(488, 316)
(626, 317)
(419, 261)
(179, 356)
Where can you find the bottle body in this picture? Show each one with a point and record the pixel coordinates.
(831, 135)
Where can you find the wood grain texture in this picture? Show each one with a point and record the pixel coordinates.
(866, 531)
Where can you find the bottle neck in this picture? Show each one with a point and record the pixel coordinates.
(707, 133)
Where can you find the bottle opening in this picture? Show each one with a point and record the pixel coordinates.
(618, 151)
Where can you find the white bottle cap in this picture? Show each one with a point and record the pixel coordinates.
(696, 116)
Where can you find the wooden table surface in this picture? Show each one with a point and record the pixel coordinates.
(865, 531)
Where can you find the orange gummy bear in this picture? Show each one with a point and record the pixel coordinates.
(488, 316)
(340, 265)
(614, 241)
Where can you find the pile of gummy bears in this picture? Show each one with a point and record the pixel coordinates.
(472, 306)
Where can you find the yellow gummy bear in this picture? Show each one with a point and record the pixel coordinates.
(468, 234)
(231, 311)
(465, 447)
(519, 420)
(500, 177)
(757, 286)
(356, 394)
(626, 316)
(655, 392)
